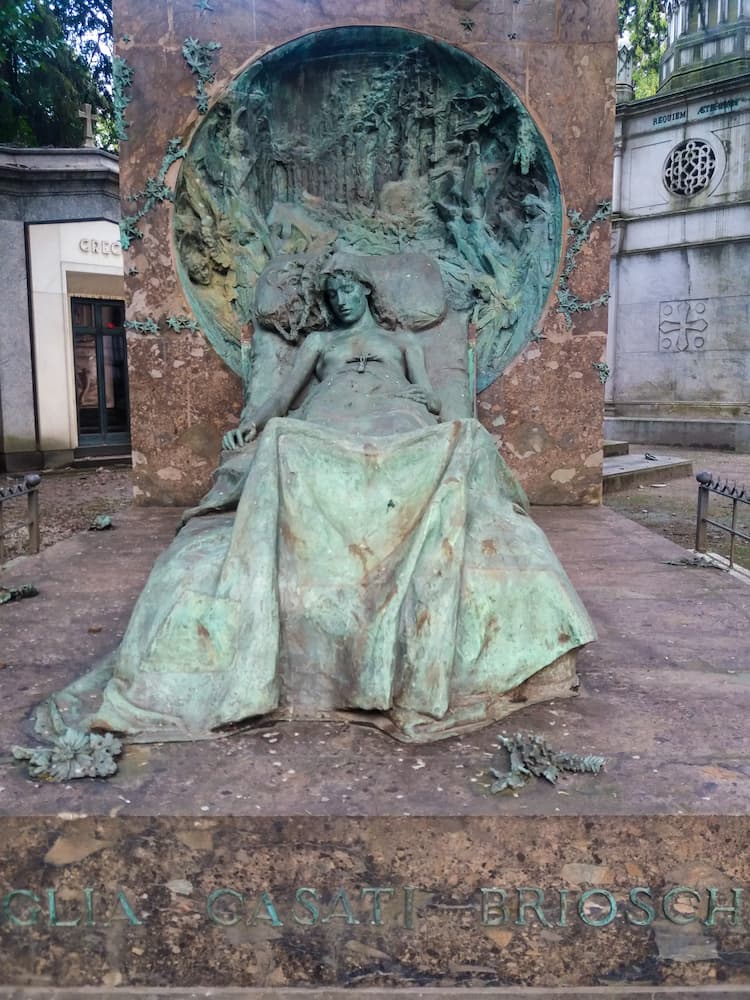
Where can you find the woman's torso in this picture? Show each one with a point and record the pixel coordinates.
(362, 386)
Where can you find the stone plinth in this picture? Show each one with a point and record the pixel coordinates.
(557, 56)
(374, 901)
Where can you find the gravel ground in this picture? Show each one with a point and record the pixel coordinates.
(669, 508)
(71, 499)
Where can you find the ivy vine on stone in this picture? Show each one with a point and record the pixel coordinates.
(148, 325)
(155, 191)
(179, 323)
(199, 57)
(603, 371)
(122, 80)
(579, 234)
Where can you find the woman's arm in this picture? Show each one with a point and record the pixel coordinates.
(278, 403)
(417, 372)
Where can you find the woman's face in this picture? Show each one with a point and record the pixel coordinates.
(198, 269)
(347, 298)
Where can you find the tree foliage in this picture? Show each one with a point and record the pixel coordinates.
(54, 58)
(644, 23)
(87, 26)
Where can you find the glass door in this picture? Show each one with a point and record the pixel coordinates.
(101, 372)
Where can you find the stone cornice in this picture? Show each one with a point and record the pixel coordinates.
(663, 100)
(30, 173)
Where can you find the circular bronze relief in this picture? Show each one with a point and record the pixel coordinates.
(373, 141)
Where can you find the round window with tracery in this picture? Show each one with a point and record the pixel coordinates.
(689, 167)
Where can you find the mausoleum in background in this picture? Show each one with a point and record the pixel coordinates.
(63, 364)
(679, 330)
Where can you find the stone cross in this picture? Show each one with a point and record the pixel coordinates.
(90, 119)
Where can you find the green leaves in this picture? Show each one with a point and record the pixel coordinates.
(8, 594)
(531, 756)
(54, 58)
(122, 81)
(579, 233)
(73, 754)
(646, 27)
(199, 57)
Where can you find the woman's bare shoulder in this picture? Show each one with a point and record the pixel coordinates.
(315, 342)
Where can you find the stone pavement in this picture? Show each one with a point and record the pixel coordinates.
(664, 697)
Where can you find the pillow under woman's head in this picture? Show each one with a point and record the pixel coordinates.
(404, 290)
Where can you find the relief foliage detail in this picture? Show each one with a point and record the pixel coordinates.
(372, 141)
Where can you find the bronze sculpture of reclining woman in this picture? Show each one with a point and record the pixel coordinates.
(381, 565)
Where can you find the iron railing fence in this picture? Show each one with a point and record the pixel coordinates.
(708, 484)
(28, 487)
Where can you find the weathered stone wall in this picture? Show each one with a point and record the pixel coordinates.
(559, 58)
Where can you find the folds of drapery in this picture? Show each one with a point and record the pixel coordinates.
(400, 576)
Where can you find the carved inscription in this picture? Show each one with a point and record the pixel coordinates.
(33, 907)
(722, 107)
(708, 110)
(103, 247)
(398, 907)
(668, 118)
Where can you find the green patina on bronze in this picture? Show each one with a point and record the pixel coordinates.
(603, 371)
(179, 323)
(122, 80)
(380, 561)
(378, 141)
(388, 233)
(73, 753)
(148, 325)
(8, 594)
(531, 756)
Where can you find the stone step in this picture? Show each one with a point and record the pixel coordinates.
(683, 432)
(614, 448)
(110, 455)
(105, 461)
(628, 471)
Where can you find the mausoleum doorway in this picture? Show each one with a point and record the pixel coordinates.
(101, 376)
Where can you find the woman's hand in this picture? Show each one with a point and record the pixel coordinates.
(420, 395)
(432, 402)
(235, 439)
